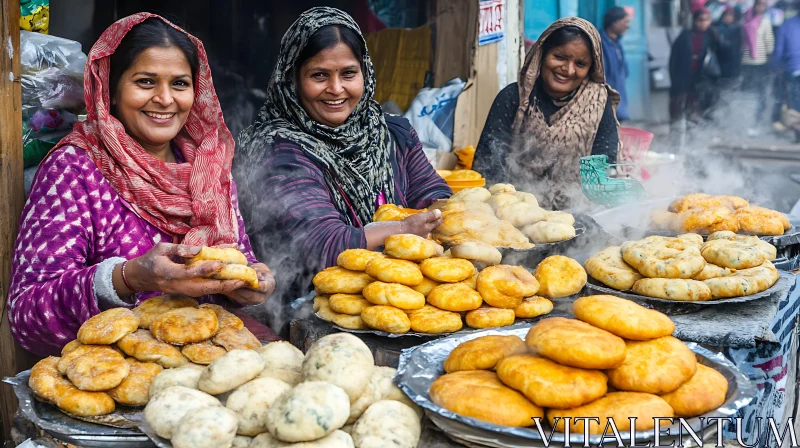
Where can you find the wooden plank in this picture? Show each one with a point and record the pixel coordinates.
(455, 34)
(11, 190)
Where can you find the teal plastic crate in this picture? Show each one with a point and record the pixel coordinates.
(604, 190)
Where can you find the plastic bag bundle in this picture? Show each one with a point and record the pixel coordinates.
(52, 73)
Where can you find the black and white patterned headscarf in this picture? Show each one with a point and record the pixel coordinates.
(355, 155)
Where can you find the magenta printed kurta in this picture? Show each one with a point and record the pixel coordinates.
(72, 221)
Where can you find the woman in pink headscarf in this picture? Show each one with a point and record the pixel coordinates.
(758, 43)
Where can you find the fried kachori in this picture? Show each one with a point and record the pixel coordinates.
(744, 282)
(616, 406)
(712, 271)
(394, 294)
(225, 318)
(657, 366)
(481, 395)
(356, 259)
(108, 327)
(411, 247)
(533, 306)
(228, 255)
(576, 344)
(48, 384)
(338, 280)
(239, 272)
(395, 271)
(134, 389)
(559, 276)
(545, 232)
(447, 270)
(426, 286)
(705, 391)
(550, 385)
(432, 320)
(95, 368)
(664, 257)
(236, 339)
(352, 304)
(203, 353)
(733, 254)
(455, 297)
(185, 325)
(142, 345)
(608, 267)
(477, 252)
(490, 317)
(505, 286)
(153, 307)
(622, 317)
(386, 318)
(483, 353)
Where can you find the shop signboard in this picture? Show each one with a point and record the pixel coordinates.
(491, 28)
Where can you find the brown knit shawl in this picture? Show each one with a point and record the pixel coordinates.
(547, 152)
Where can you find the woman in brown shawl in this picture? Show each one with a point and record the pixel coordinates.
(561, 110)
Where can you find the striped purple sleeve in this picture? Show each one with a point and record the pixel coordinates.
(51, 292)
(425, 186)
(305, 209)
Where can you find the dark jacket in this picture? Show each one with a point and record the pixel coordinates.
(616, 71)
(683, 78)
(730, 61)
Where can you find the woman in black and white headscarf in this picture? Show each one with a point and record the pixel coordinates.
(322, 156)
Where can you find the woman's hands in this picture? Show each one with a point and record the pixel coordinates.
(420, 224)
(156, 271)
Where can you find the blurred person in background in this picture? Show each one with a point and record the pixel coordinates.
(787, 59)
(694, 69)
(758, 43)
(730, 61)
(615, 22)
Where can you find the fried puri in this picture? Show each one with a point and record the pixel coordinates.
(352, 304)
(657, 366)
(356, 259)
(551, 385)
(762, 221)
(432, 320)
(499, 200)
(663, 220)
(505, 286)
(426, 286)
(663, 257)
(696, 219)
(744, 282)
(576, 344)
(203, 353)
(455, 297)
(480, 394)
(236, 339)
(700, 200)
(94, 368)
(616, 406)
(228, 255)
(490, 317)
(521, 214)
(386, 318)
(528, 198)
(483, 353)
(502, 188)
(134, 389)
(411, 247)
(608, 267)
(673, 289)
(733, 254)
(108, 327)
(185, 325)
(622, 317)
(239, 272)
(71, 347)
(156, 306)
(395, 271)
(705, 391)
(533, 307)
(347, 321)
(48, 384)
(142, 345)
(544, 232)
(559, 276)
(712, 271)
(337, 280)
(320, 302)
(447, 270)
(478, 252)
(394, 294)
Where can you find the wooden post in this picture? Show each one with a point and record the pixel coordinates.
(12, 195)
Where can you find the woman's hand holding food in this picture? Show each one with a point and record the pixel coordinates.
(266, 285)
(420, 224)
(156, 271)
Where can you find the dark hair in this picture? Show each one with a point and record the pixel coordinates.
(327, 37)
(565, 35)
(152, 32)
(613, 15)
(700, 12)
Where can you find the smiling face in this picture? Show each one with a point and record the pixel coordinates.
(330, 85)
(154, 97)
(565, 67)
